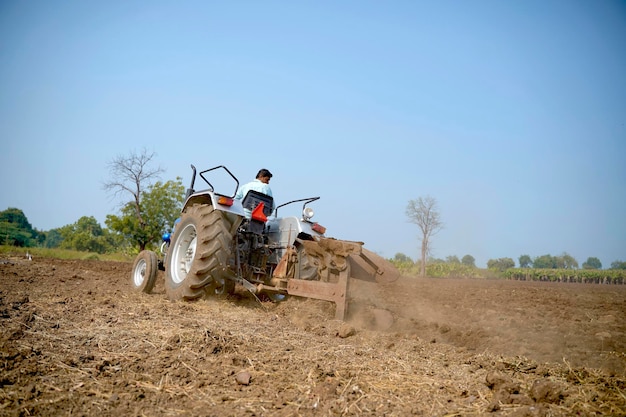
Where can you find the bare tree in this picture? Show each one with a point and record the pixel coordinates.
(425, 214)
(132, 174)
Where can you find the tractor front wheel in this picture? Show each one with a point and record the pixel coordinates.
(144, 272)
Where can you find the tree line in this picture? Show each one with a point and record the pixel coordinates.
(424, 212)
(151, 208)
(564, 261)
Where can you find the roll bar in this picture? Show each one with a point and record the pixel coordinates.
(191, 189)
(306, 200)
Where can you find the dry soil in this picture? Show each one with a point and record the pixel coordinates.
(76, 340)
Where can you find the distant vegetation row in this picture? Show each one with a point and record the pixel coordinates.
(126, 232)
(564, 261)
(57, 253)
(124, 237)
(563, 268)
(594, 276)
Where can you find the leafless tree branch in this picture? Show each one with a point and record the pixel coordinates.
(131, 174)
(425, 214)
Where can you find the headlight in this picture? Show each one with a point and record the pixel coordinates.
(307, 213)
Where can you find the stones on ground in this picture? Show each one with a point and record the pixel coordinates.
(497, 379)
(546, 391)
(506, 391)
(346, 331)
(243, 378)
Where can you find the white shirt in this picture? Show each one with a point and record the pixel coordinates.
(256, 185)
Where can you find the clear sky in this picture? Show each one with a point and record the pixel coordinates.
(511, 114)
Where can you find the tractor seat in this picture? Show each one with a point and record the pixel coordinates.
(254, 198)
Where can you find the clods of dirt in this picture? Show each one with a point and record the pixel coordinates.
(76, 340)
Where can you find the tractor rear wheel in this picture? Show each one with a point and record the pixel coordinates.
(144, 272)
(199, 251)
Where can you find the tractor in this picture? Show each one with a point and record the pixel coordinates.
(219, 242)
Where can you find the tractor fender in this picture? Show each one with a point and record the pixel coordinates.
(211, 198)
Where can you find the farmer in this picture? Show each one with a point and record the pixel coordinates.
(260, 184)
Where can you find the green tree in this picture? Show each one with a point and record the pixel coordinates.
(86, 235)
(452, 259)
(545, 262)
(132, 174)
(618, 265)
(592, 263)
(566, 261)
(468, 260)
(16, 230)
(402, 258)
(425, 214)
(53, 239)
(500, 264)
(159, 208)
(402, 262)
(525, 261)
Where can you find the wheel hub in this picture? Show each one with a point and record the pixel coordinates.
(184, 253)
(140, 273)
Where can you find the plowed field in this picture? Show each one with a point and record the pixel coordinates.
(76, 340)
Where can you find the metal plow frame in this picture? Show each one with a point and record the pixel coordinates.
(350, 262)
(328, 291)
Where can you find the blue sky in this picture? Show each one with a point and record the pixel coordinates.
(512, 115)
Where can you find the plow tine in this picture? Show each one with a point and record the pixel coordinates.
(369, 266)
(371, 263)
